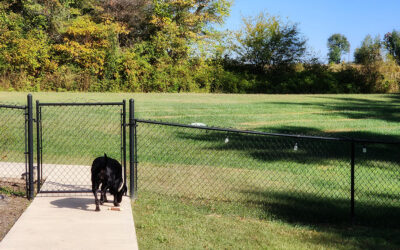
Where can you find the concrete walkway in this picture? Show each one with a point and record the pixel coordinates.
(71, 223)
(68, 221)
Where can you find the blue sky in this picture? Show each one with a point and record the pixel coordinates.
(319, 19)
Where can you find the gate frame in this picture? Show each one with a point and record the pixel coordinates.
(30, 146)
(39, 135)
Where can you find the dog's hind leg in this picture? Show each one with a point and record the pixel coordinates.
(95, 187)
(103, 197)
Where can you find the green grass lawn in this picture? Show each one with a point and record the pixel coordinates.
(175, 223)
(197, 191)
(364, 115)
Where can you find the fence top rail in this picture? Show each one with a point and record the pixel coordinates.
(80, 103)
(12, 106)
(343, 139)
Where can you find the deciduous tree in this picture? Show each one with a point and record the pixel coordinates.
(267, 40)
(337, 46)
(369, 52)
(179, 24)
(392, 44)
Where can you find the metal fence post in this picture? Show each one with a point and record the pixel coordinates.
(132, 145)
(30, 147)
(124, 138)
(352, 180)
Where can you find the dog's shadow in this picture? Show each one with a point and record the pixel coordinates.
(74, 203)
(79, 203)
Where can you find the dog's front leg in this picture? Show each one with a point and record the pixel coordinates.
(116, 204)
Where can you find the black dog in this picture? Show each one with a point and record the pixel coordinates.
(107, 172)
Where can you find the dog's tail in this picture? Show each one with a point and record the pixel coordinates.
(105, 156)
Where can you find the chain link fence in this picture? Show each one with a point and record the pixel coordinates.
(377, 182)
(13, 148)
(301, 178)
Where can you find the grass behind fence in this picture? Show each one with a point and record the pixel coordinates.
(78, 134)
(12, 131)
(362, 115)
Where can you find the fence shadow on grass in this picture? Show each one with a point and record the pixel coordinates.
(298, 130)
(275, 148)
(333, 216)
(355, 108)
(307, 209)
(376, 177)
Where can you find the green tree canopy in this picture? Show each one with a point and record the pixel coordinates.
(392, 44)
(267, 40)
(337, 46)
(369, 52)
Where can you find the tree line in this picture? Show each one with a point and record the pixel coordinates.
(173, 46)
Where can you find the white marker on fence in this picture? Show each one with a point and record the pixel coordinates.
(198, 124)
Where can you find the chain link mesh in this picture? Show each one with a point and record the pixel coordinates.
(13, 168)
(71, 138)
(286, 175)
(377, 181)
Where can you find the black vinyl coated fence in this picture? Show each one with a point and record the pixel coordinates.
(302, 178)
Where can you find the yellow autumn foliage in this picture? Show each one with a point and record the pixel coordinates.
(86, 43)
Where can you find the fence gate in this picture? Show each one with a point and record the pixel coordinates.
(70, 136)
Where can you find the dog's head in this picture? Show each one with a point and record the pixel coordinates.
(121, 191)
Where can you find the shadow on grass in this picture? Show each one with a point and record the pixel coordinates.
(387, 110)
(328, 220)
(299, 150)
(364, 135)
(333, 215)
(308, 209)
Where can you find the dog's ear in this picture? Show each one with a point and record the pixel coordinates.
(105, 156)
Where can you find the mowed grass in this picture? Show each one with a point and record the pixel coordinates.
(164, 222)
(363, 115)
(195, 191)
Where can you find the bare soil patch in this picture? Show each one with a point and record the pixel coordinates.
(13, 203)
